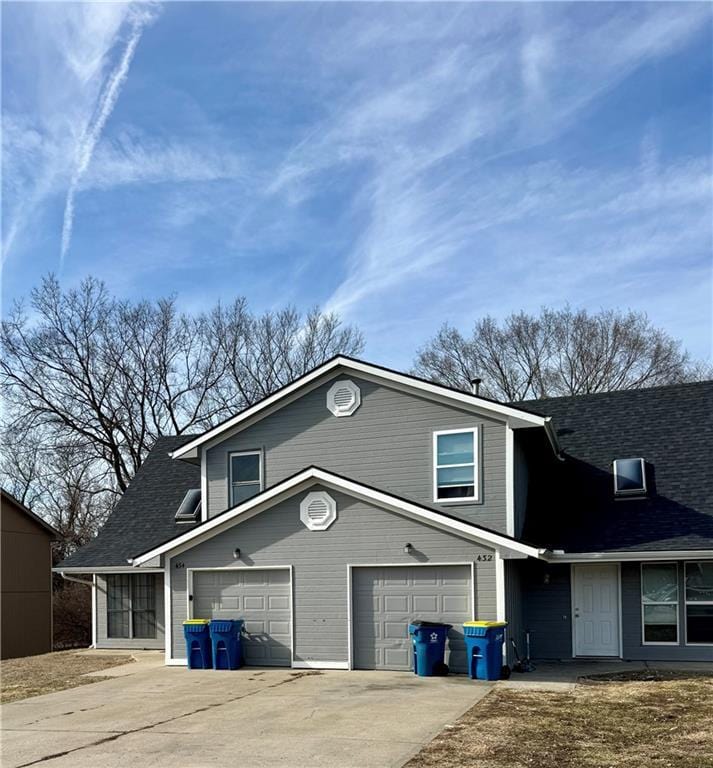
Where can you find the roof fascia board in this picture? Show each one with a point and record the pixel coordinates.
(516, 418)
(189, 449)
(105, 569)
(303, 480)
(617, 557)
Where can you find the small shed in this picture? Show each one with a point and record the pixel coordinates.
(25, 580)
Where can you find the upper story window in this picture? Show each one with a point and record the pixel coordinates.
(629, 477)
(455, 460)
(245, 476)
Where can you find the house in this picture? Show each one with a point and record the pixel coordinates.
(25, 580)
(356, 498)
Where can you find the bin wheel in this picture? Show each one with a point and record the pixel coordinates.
(505, 672)
(440, 668)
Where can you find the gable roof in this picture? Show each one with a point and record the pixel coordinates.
(517, 416)
(146, 514)
(8, 498)
(572, 505)
(316, 476)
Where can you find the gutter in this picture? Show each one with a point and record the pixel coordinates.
(559, 556)
(76, 580)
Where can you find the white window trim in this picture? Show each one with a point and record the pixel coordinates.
(634, 492)
(475, 431)
(686, 603)
(131, 635)
(677, 604)
(257, 453)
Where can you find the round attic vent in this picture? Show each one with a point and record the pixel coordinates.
(318, 511)
(343, 398)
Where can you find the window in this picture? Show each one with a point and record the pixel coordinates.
(190, 508)
(131, 605)
(455, 465)
(629, 477)
(245, 476)
(699, 603)
(659, 602)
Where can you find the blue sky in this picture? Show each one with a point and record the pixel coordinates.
(402, 164)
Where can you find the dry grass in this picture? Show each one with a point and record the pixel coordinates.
(35, 675)
(659, 723)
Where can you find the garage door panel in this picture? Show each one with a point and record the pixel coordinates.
(261, 598)
(425, 604)
(396, 603)
(455, 604)
(386, 600)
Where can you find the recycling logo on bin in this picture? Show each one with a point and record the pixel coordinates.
(434, 637)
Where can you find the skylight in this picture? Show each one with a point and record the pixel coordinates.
(629, 477)
(189, 510)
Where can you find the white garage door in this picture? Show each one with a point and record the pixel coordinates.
(261, 598)
(387, 599)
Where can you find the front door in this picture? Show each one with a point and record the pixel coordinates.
(596, 610)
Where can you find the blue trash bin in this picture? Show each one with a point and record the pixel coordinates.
(225, 641)
(429, 647)
(197, 636)
(484, 648)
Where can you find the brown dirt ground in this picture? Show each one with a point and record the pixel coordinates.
(653, 723)
(35, 675)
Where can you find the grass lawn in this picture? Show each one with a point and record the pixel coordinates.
(662, 722)
(35, 675)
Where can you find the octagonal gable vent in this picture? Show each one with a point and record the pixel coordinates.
(343, 398)
(318, 511)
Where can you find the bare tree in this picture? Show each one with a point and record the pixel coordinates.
(557, 352)
(98, 379)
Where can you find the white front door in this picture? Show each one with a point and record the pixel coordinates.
(596, 610)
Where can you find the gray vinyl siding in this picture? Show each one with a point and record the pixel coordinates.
(546, 609)
(117, 642)
(634, 649)
(362, 534)
(387, 443)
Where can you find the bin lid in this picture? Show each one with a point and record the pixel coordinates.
(196, 621)
(485, 623)
(419, 623)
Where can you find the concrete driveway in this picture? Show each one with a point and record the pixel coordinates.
(154, 717)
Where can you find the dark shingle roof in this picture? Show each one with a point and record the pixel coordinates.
(144, 517)
(572, 504)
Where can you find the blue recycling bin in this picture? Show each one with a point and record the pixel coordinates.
(225, 641)
(484, 648)
(429, 647)
(197, 636)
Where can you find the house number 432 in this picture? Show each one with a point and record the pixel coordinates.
(484, 558)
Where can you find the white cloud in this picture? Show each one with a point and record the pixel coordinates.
(52, 124)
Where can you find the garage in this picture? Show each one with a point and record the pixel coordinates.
(261, 597)
(386, 598)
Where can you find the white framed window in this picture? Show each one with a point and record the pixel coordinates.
(659, 603)
(245, 476)
(699, 603)
(455, 465)
(131, 605)
(629, 477)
